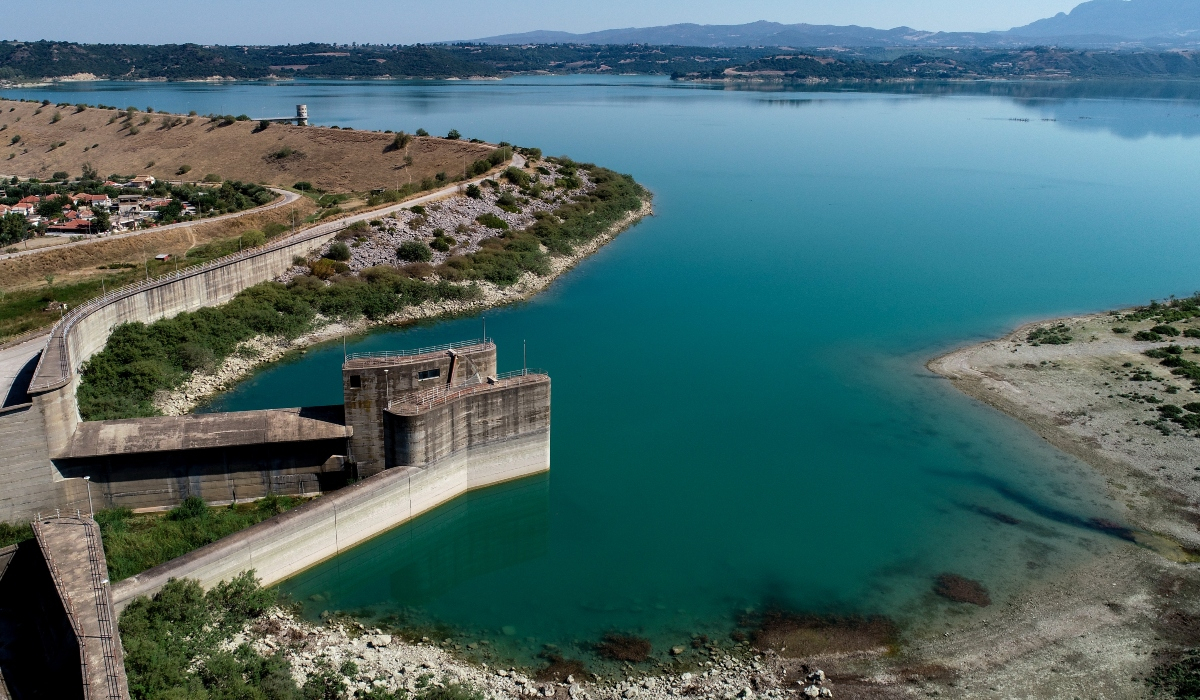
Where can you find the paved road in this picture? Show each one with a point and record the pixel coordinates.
(288, 198)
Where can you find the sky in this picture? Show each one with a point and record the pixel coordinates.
(409, 21)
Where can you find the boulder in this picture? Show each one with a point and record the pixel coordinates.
(811, 691)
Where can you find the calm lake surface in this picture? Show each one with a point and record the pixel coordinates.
(741, 413)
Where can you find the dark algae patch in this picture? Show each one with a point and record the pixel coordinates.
(961, 590)
(559, 668)
(800, 634)
(623, 647)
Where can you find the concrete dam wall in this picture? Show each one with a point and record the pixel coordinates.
(502, 430)
(42, 430)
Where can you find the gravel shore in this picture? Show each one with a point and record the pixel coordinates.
(389, 661)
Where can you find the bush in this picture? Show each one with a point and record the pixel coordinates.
(1163, 329)
(183, 170)
(338, 251)
(414, 251)
(60, 175)
(517, 176)
(1191, 333)
(1147, 336)
(440, 245)
(422, 132)
(474, 192)
(56, 118)
(253, 239)
(303, 186)
(1120, 329)
(492, 221)
(211, 177)
(454, 135)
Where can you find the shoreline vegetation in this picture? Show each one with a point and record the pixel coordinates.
(1119, 390)
(153, 369)
(41, 62)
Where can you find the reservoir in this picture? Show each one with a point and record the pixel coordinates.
(742, 417)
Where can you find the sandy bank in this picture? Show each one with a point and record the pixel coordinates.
(1097, 631)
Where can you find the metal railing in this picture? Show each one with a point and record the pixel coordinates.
(388, 354)
(437, 395)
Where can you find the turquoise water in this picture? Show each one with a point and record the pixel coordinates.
(741, 413)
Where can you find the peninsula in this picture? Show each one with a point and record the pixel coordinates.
(1120, 391)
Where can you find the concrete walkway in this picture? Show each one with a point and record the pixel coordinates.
(75, 557)
(15, 358)
(288, 198)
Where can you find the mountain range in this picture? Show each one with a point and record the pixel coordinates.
(1161, 24)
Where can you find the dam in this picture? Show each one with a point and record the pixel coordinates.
(416, 428)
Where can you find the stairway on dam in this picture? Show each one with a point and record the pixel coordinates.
(58, 629)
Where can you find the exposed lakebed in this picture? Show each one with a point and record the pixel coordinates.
(741, 414)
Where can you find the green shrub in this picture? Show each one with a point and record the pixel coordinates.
(338, 251)
(492, 221)
(474, 192)
(1163, 329)
(253, 239)
(517, 176)
(454, 135)
(414, 251)
(60, 175)
(1120, 329)
(120, 381)
(12, 534)
(303, 186)
(1191, 333)
(1193, 407)
(440, 244)
(1147, 336)
(422, 132)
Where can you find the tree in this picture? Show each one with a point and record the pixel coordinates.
(13, 229)
(454, 135)
(420, 132)
(101, 221)
(90, 174)
(52, 207)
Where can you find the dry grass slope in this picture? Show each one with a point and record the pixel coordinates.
(331, 159)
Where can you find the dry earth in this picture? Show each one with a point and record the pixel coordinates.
(337, 160)
(1099, 630)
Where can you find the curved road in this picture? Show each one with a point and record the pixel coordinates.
(288, 198)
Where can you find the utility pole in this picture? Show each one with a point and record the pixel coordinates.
(91, 511)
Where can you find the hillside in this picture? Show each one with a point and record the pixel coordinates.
(1160, 21)
(337, 160)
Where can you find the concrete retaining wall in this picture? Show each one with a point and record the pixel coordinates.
(44, 431)
(291, 542)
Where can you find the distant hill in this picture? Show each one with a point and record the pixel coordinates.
(1093, 24)
(1139, 20)
(759, 33)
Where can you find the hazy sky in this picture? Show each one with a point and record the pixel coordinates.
(410, 21)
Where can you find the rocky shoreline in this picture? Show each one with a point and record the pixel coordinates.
(262, 350)
(390, 662)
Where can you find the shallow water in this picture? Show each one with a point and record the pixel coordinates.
(741, 413)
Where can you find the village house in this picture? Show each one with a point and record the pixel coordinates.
(142, 182)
